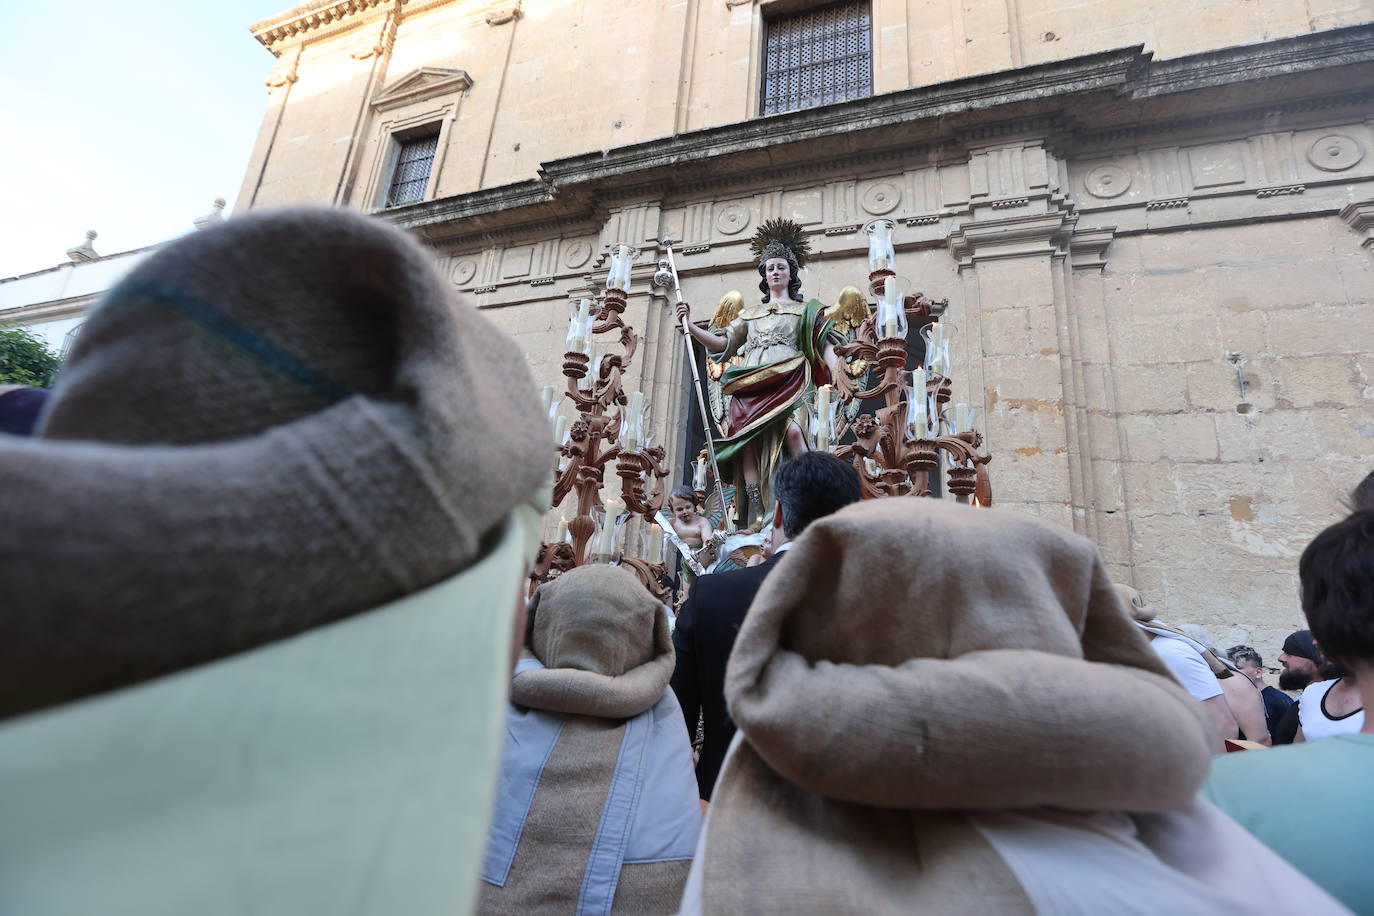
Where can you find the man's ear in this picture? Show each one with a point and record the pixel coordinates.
(777, 516)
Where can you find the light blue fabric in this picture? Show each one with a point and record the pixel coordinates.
(530, 737)
(1311, 803)
(651, 812)
(665, 826)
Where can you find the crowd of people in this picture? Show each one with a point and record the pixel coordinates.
(263, 650)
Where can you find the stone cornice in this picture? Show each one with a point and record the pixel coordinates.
(1282, 56)
(323, 18)
(1106, 135)
(37, 312)
(1012, 237)
(1111, 88)
(309, 17)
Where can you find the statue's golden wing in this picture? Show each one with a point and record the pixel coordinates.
(727, 310)
(849, 311)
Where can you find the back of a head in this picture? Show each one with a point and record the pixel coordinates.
(268, 425)
(1337, 575)
(594, 618)
(888, 580)
(285, 426)
(813, 485)
(922, 636)
(20, 408)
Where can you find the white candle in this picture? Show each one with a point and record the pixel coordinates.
(622, 259)
(655, 544)
(961, 417)
(632, 431)
(546, 397)
(891, 303)
(920, 423)
(560, 426)
(580, 327)
(823, 417)
(606, 546)
(562, 530)
(613, 275)
(699, 478)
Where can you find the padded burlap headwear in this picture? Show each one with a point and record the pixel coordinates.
(267, 426)
(918, 636)
(914, 662)
(603, 641)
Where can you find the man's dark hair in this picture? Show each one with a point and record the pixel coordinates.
(1240, 654)
(1362, 497)
(1337, 575)
(812, 485)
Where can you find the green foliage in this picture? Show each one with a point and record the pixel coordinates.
(25, 359)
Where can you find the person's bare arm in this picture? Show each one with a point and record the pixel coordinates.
(1298, 736)
(1223, 723)
(1247, 707)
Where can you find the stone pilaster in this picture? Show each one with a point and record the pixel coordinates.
(1012, 319)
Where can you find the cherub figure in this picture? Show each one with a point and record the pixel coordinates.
(690, 524)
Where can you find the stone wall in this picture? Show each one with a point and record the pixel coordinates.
(1118, 236)
(1105, 293)
(553, 79)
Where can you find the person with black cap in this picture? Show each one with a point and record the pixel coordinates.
(1302, 663)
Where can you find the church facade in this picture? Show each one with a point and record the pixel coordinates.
(1153, 221)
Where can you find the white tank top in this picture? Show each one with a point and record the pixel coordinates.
(1316, 722)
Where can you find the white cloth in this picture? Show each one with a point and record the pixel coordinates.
(1188, 667)
(1082, 863)
(1316, 722)
(1196, 860)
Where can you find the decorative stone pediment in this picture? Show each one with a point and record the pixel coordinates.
(420, 85)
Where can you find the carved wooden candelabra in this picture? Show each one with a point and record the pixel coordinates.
(904, 458)
(597, 438)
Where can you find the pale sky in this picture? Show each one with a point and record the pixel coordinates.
(128, 118)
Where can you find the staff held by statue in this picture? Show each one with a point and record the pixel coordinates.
(667, 274)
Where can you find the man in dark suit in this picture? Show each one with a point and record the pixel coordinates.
(810, 486)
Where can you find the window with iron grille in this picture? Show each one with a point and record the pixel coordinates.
(410, 177)
(817, 56)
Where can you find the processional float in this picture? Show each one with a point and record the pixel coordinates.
(916, 444)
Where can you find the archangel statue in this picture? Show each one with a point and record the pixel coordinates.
(769, 357)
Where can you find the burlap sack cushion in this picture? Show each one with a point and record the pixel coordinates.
(917, 654)
(604, 642)
(266, 426)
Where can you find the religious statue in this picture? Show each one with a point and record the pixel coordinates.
(785, 348)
